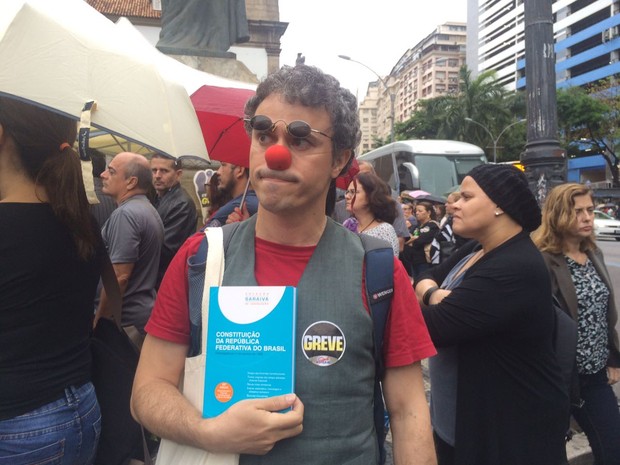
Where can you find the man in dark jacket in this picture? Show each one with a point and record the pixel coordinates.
(174, 205)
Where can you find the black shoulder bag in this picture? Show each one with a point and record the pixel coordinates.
(114, 363)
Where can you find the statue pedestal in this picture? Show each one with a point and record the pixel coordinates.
(229, 68)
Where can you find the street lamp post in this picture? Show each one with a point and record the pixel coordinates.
(495, 140)
(390, 94)
(544, 160)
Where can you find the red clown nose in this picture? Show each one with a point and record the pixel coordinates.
(278, 157)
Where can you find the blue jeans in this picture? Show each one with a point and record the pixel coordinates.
(63, 432)
(599, 418)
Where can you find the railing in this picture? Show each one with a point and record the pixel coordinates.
(600, 185)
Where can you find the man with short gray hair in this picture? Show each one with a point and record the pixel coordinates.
(133, 236)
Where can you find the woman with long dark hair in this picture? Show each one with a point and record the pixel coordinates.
(50, 255)
(368, 199)
(583, 287)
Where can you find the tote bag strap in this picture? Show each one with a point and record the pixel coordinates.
(214, 273)
(171, 453)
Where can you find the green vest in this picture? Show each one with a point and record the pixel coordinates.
(338, 426)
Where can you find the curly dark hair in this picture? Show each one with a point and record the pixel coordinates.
(380, 202)
(310, 87)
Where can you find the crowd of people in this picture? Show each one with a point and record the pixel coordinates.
(471, 288)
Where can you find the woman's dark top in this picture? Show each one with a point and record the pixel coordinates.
(427, 233)
(512, 407)
(46, 308)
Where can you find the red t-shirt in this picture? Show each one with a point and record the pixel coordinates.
(406, 338)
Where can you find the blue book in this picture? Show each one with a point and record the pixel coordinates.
(250, 345)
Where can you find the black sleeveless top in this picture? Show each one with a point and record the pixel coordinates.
(46, 309)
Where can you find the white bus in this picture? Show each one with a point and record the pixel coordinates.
(435, 166)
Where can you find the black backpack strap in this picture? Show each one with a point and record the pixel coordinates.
(379, 265)
(196, 265)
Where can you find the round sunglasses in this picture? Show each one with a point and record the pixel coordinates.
(297, 129)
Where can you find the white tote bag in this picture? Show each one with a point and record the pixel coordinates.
(172, 453)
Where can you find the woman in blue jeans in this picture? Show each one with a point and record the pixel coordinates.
(50, 256)
(583, 287)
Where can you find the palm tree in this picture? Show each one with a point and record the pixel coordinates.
(427, 121)
(482, 99)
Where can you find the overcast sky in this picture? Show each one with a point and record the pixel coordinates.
(375, 32)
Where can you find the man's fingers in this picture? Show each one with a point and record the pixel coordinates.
(235, 216)
(278, 403)
(245, 214)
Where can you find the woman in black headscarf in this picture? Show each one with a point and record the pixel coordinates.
(497, 391)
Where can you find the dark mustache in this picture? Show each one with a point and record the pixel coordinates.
(281, 175)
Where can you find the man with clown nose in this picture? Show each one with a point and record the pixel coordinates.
(303, 128)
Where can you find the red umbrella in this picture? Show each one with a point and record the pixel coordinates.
(220, 113)
(343, 181)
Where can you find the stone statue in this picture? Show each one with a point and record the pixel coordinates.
(202, 27)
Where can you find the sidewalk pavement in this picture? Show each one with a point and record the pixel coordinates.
(578, 450)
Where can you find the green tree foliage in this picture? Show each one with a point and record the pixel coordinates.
(586, 115)
(592, 113)
(379, 142)
(608, 91)
(427, 121)
(579, 115)
(512, 142)
(483, 99)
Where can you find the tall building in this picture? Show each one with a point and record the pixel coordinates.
(431, 68)
(368, 118)
(428, 69)
(587, 40)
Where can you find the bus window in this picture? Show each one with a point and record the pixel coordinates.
(385, 170)
(436, 166)
(444, 173)
(406, 180)
(465, 165)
